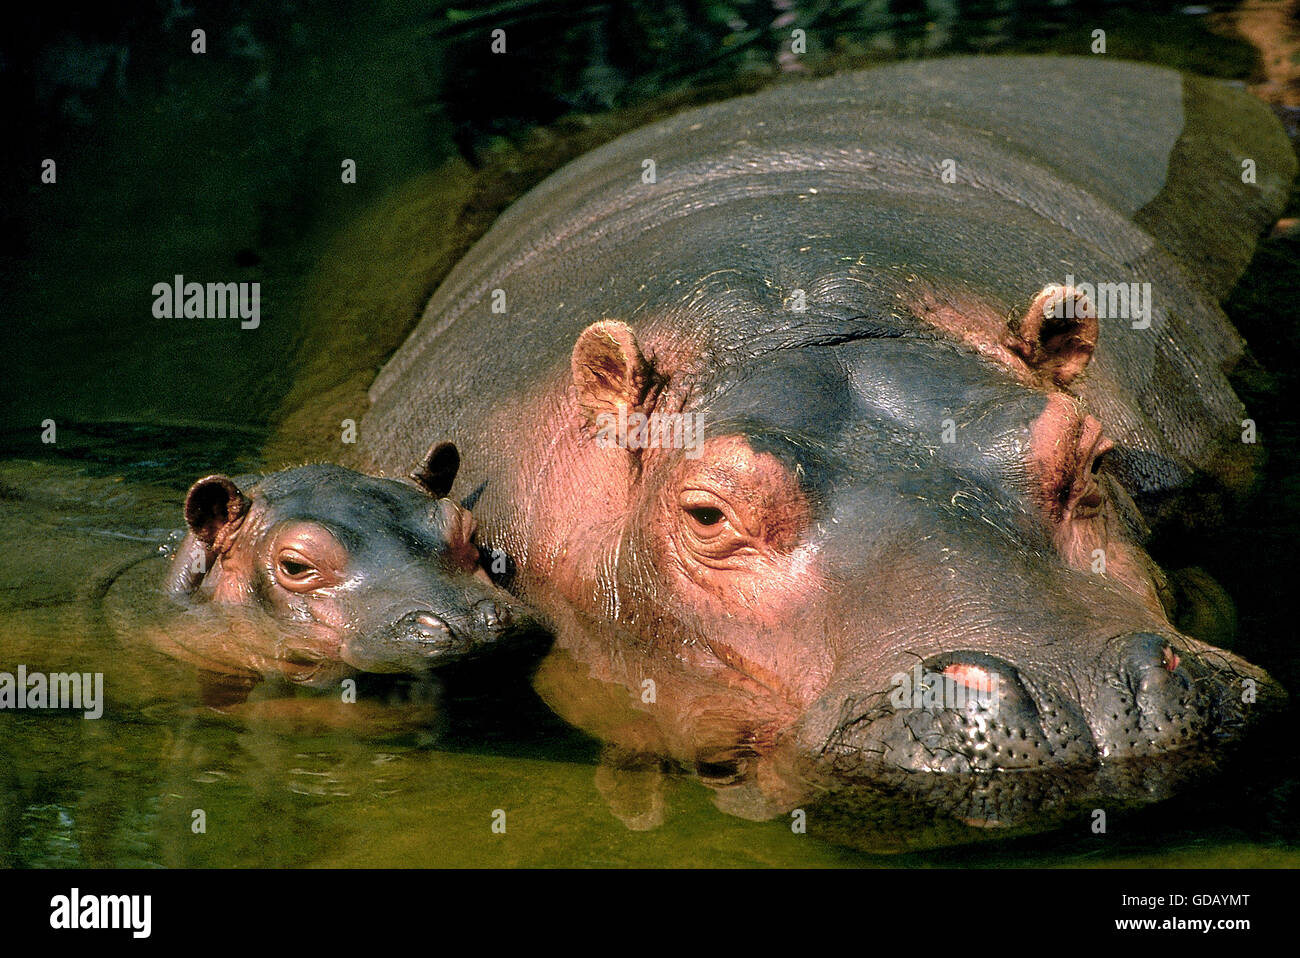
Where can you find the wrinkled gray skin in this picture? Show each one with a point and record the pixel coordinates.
(318, 572)
(868, 543)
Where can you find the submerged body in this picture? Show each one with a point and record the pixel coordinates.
(927, 435)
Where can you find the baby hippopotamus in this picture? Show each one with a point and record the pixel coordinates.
(315, 573)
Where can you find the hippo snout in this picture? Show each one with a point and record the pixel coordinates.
(492, 616)
(430, 633)
(482, 622)
(423, 639)
(1169, 692)
(1151, 715)
(416, 641)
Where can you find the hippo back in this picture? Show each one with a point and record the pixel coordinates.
(878, 203)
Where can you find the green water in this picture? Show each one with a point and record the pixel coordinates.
(226, 167)
(290, 781)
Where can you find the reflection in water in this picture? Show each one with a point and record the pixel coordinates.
(411, 774)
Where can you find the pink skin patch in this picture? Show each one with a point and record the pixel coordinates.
(1170, 658)
(971, 676)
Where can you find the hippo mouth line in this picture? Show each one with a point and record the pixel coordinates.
(307, 665)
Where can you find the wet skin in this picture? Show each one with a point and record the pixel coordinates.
(989, 539)
(828, 541)
(318, 572)
(827, 537)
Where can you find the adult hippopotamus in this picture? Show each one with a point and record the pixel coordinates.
(826, 425)
(315, 573)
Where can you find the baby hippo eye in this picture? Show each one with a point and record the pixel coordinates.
(295, 572)
(306, 556)
(293, 568)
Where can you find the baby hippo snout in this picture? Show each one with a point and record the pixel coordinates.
(414, 642)
(451, 633)
(424, 639)
(492, 617)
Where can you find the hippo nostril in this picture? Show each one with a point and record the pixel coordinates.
(971, 676)
(431, 625)
(1154, 698)
(975, 713)
(989, 678)
(1144, 653)
(493, 615)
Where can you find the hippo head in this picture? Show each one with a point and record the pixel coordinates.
(897, 563)
(315, 572)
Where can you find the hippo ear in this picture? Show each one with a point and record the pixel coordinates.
(608, 369)
(214, 505)
(1057, 335)
(437, 471)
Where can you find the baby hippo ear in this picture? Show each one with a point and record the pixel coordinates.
(438, 470)
(459, 528)
(608, 369)
(1057, 335)
(213, 506)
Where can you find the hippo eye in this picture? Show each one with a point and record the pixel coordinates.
(296, 573)
(305, 556)
(708, 523)
(294, 569)
(705, 515)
